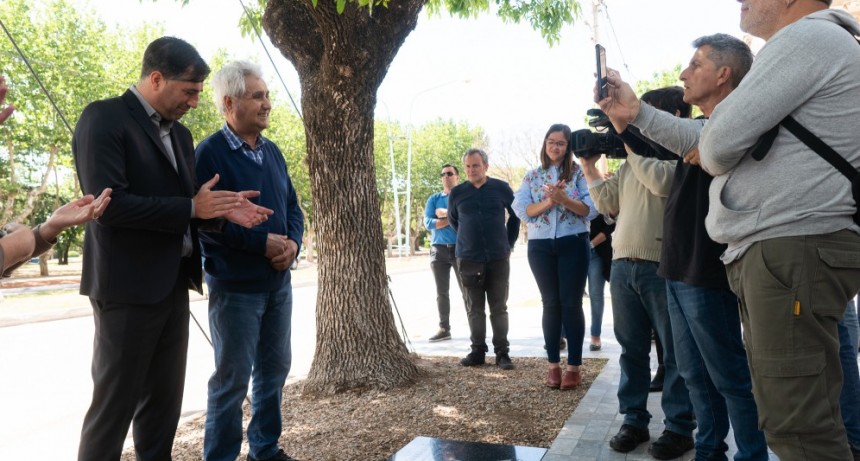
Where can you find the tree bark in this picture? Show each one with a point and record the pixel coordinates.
(341, 60)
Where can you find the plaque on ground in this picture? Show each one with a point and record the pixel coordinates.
(433, 449)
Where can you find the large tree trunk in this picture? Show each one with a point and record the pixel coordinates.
(341, 60)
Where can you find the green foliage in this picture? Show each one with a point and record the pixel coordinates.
(660, 79)
(433, 145)
(663, 79)
(79, 60)
(546, 16)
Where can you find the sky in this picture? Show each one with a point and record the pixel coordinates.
(502, 77)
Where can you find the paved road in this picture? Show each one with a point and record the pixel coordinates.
(45, 384)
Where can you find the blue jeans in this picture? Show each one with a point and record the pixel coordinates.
(638, 304)
(706, 329)
(560, 268)
(596, 283)
(849, 399)
(251, 335)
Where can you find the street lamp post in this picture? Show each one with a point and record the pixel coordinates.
(409, 159)
(397, 225)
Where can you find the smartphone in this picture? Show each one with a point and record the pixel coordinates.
(600, 53)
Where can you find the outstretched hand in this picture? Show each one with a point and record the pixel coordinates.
(74, 213)
(621, 104)
(210, 203)
(233, 206)
(248, 214)
(5, 112)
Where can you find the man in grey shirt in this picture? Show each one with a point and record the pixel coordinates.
(793, 255)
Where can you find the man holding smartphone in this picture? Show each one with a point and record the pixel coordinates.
(793, 250)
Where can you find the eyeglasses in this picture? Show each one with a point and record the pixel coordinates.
(447, 173)
(559, 144)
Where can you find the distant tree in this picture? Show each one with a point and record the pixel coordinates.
(660, 79)
(78, 60)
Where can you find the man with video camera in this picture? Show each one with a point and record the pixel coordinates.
(703, 310)
(636, 197)
(793, 253)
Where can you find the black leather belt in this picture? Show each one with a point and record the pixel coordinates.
(446, 245)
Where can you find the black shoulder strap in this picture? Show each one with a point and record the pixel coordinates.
(763, 144)
(820, 147)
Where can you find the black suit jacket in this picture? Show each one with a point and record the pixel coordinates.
(132, 254)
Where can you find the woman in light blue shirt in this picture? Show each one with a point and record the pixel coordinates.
(553, 200)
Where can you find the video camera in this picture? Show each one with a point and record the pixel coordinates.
(587, 143)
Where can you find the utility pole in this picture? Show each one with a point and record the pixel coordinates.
(597, 9)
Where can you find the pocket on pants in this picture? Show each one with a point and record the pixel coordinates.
(790, 387)
(835, 281)
(472, 273)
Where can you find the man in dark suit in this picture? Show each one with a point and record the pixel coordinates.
(142, 255)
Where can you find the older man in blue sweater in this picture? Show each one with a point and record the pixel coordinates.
(247, 271)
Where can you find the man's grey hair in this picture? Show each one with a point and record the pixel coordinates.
(230, 81)
(475, 150)
(728, 51)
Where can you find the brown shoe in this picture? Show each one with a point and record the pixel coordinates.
(570, 380)
(553, 378)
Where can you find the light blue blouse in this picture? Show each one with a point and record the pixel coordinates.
(558, 221)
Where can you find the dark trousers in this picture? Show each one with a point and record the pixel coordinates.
(138, 368)
(560, 267)
(486, 283)
(442, 260)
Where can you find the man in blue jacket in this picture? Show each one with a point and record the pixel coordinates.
(247, 271)
(444, 240)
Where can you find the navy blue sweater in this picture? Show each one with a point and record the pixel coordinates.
(235, 258)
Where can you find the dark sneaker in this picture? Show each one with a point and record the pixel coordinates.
(670, 445)
(473, 359)
(503, 361)
(628, 438)
(279, 456)
(441, 335)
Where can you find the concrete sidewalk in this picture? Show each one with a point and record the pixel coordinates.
(585, 435)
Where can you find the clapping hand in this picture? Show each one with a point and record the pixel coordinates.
(74, 213)
(555, 192)
(233, 206)
(249, 214)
